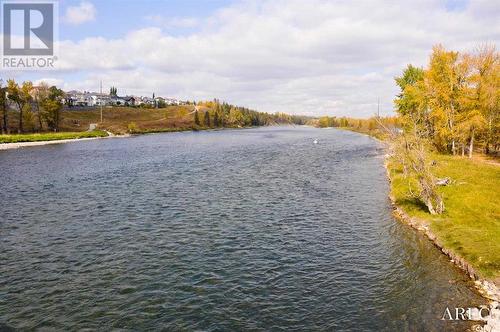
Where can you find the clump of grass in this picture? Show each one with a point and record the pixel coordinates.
(50, 136)
(132, 127)
(470, 225)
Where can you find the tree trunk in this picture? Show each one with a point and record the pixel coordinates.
(5, 125)
(488, 137)
(463, 150)
(471, 146)
(20, 129)
(57, 121)
(40, 124)
(430, 207)
(5, 121)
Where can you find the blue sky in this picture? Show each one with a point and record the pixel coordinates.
(115, 18)
(334, 57)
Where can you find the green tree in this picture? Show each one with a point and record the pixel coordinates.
(161, 103)
(196, 118)
(3, 108)
(21, 96)
(216, 119)
(410, 102)
(207, 119)
(52, 107)
(113, 91)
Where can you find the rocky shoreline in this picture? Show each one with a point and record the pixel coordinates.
(487, 289)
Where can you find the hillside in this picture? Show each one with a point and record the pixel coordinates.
(121, 120)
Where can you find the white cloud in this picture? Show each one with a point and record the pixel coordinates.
(172, 22)
(50, 81)
(82, 13)
(314, 57)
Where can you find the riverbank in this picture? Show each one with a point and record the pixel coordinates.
(121, 121)
(36, 139)
(58, 136)
(468, 231)
(8, 142)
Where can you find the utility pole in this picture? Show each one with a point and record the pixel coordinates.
(100, 101)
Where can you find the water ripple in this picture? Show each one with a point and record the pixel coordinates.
(232, 230)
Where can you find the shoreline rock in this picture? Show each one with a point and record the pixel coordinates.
(487, 289)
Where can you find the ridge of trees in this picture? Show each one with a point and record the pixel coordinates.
(448, 107)
(223, 114)
(454, 102)
(38, 108)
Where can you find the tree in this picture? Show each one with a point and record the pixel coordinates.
(161, 103)
(52, 108)
(207, 119)
(412, 103)
(21, 96)
(444, 82)
(39, 95)
(216, 119)
(410, 150)
(487, 80)
(3, 107)
(235, 117)
(455, 102)
(323, 122)
(196, 118)
(113, 91)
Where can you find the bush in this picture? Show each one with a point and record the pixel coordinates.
(132, 127)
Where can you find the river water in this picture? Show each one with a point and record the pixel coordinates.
(253, 229)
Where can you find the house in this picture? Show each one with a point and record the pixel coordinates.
(147, 101)
(76, 98)
(118, 101)
(94, 99)
(172, 101)
(100, 99)
(129, 100)
(137, 100)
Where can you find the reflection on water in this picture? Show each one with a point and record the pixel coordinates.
(256, 229)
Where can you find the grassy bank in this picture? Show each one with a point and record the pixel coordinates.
(470, 225)
(50, 136)
(121, 120)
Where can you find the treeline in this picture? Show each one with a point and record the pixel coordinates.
(221, 114)
(28, 108)
(450, 106)
(454, 102)
(370, 126)
(34, 109)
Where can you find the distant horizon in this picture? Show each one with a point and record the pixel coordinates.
(314, 59)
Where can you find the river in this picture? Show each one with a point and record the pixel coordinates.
(251, 229)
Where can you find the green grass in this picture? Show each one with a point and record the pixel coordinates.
(470, 226)
(50, 136)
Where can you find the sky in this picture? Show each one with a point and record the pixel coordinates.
(314, 57)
